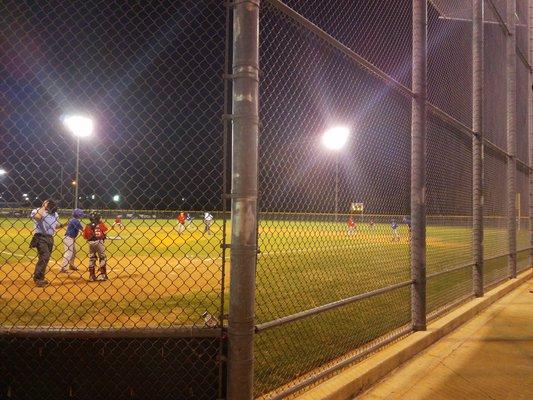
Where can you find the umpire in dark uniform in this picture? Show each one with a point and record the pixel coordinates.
(46, 221)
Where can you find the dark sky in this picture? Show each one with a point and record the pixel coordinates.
(150, 75)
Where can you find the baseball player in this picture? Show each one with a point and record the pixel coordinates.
(95, 234)
(208, 221)
(395, 234)
(69, 241)
(351, 225)
(118, 222)
(407, 221)
(182, 217)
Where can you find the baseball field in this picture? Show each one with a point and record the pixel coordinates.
(161, 278)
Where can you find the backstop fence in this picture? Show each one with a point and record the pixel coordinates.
(286, 186)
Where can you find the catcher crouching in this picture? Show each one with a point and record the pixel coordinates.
(95, 234)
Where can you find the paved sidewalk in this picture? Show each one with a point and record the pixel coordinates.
(490, 357)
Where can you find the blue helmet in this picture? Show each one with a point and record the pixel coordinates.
(78, 213)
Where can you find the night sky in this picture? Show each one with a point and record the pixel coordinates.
(150, 74)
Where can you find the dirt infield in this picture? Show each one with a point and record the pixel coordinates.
(141, 291)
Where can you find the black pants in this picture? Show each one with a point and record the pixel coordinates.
(44, 245)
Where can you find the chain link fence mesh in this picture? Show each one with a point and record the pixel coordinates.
(450, 84)
(449, 214)
(380, 36)
(522, 15)
(449, 157)
(149, 75)
(494, 79)
(495, 225)
(334, 225)
(522, 237)
(121, 368)
(495, 238)
(311, 254)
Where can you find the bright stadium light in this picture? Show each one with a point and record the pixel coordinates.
(116, 198)
(81, 127)
(3, 172)
(335, 138)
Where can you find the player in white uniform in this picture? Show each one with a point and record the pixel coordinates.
(208, 221)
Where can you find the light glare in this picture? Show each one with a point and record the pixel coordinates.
(335, 138)
(3, 171)
(78, 125)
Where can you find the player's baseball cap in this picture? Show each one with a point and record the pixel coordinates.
(78, 213)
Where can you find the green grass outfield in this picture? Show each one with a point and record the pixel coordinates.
(160, 278)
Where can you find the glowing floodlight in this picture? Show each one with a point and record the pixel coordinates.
(79, 125)
(335, 138)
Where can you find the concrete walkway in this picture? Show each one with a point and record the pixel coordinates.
(489, 357)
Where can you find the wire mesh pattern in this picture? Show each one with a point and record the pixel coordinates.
(522, 15)
(495, 224)
(522, 152)
(287, 354)
(494, 82)
(319, 87)
(449, 209)
(380, 37)
(450, 84)
(150, 77)
(149, 84)
(121, 368)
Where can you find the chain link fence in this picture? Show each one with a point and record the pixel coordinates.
(314, 80)
(149, 77)
(334, 239)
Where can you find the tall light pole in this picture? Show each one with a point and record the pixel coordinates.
(335, 139)
(80, 126)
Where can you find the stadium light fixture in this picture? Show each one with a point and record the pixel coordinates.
(335, 138)
(116, 198)
(81, 127)
(3, 171)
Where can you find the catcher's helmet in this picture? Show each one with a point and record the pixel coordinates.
(95, 218)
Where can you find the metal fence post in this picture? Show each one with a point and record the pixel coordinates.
(245, 132)
(418, 166)
(477, 145)
(530, 128)
(511, 136)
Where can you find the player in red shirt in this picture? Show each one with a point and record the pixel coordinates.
(351, 225)
(118, 222)
(95, 234)
(182, 217)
